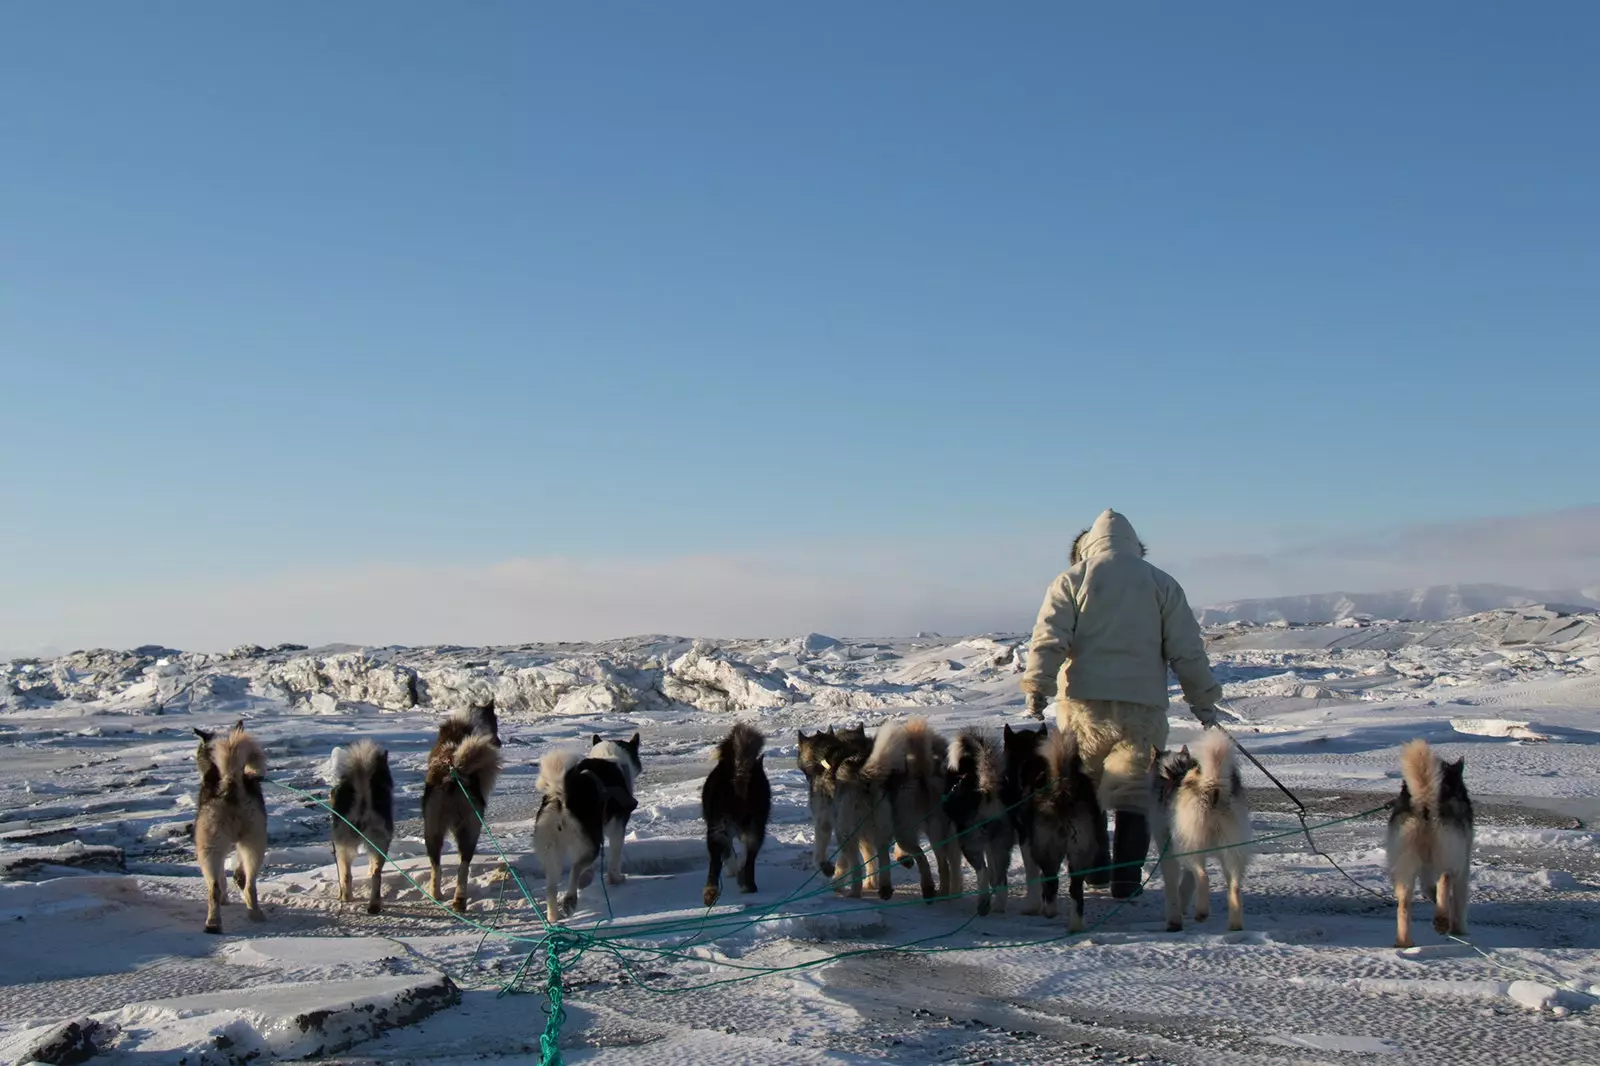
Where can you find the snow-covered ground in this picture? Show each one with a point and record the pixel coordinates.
(102, 911)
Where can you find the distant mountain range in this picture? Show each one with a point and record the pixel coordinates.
(1433, 604)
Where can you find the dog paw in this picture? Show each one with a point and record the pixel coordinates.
(375, 907)
(1174, 927)
(569, 905)
(1236, 927)
(1403, 943)
(1201, 916)
(459, 904)
(214, 930)
(1074, 922)
(999, 904)
(256, 914)
(983, 906)
(886, 890)
(1030, 905)
(827, 868)
(1049, 910)
(749, 888)
(616, 879)
(1441, 924)
(710, 895)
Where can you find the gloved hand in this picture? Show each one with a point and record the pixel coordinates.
(1036, 705)
(1207, 716)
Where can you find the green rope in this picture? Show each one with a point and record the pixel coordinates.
(619, 942)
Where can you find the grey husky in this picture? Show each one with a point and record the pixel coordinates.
(1430, 836)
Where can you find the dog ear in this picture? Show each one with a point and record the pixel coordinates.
(203, 734)
(1184, 750)
(1155, 756)
(594, 741)
(1008, 730)
(634, 743)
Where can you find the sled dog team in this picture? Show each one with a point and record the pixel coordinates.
(874, 801)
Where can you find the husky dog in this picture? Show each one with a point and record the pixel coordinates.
(363, 813)
(735, 800)
(1430, 835)
(231, 815)
(819, 756)
(468, 749)
(1057, 816)
(915, 790)
(1207, 811)
(625, 754)
(974, 785)
(583, 800)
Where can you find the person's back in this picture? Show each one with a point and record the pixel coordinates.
(1109, 627)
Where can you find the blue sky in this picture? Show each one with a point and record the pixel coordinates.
(302, 289)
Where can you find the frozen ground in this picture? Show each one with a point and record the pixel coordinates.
(102, 906)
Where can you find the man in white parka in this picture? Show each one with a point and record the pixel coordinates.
(1109, 628)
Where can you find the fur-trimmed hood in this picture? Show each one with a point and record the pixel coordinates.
(1110, 532)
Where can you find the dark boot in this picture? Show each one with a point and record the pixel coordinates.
(1100, 876)
(1129, 844)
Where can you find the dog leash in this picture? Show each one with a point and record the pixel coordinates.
(1300, 813)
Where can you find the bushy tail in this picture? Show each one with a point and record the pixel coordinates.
(1214, 754)
(1420, 769)
(977, 753)
(888, 752)
(922, 750)
(742, 749)
(553, 774)
(235, 756)
(477, 756)
(359, 762)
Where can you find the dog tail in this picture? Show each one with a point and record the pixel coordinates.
(741, 749)
(976, 753)
(922, 750)
(553, 775)
(1420, 770)
(478, 756)
(888, 752)
(359, 762)
(235, 756)
(1214, 754)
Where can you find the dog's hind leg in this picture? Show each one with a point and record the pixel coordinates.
(752, 839)
(1402, 895)
(375, 876)
(582, 873)
(998, 862)
(216, 878)
(1050, 882)
(1171, 889)
(1459, 889)
(1444, 904)
(1032, 901)
(467, 844)
(252, 854)
(1075, 919)
(1202, 892)
(975, 856)
(433, 842)
(343, 855)
(616, 829)
(719, 849)
(1233, 866)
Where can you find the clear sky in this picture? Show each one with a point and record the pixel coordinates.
(364, 289)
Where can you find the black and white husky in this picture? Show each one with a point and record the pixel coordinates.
(735, 801)
(1057, 816)
(1430, 836)
(1207, 812)
(586, 801)
(363, 803)
(977, 810)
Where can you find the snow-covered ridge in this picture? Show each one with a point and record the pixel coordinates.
(640, 674)
(1432, 604)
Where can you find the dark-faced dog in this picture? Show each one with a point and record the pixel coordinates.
(230, 816)
(1057, 812)
(974, 801)
(363, 804)
(1431, 837)
(583, 801)
(735, 801)
(462, 769)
